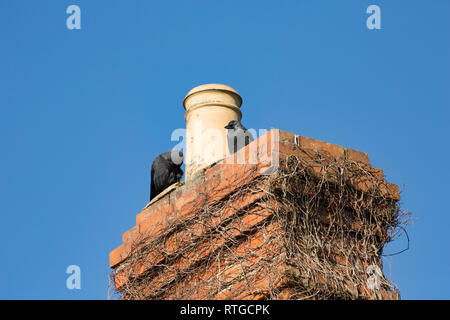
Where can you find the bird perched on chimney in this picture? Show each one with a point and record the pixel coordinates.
(166, 170)
(237, 136)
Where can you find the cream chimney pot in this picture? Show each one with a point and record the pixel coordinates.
(209, 108)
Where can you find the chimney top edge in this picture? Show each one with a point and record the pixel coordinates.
(211, 86)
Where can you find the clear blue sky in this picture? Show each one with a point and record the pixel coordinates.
(84, 112)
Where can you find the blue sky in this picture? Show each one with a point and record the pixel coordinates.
(84, 112)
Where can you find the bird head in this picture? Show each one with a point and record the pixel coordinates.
(232, 124)
(177, 157)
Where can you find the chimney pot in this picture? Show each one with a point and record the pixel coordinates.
(209, 108)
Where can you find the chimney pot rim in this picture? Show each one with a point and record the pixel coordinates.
(211, 86)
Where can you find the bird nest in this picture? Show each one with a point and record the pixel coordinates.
(311, 232)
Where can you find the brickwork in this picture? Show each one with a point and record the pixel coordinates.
(205, 240)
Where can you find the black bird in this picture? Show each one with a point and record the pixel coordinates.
(237, 136)
(166, 170)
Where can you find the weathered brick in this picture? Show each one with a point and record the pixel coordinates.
(390, 190)
(377, 173)
(321, 146)
(214, 173)
(219, 182)
(358, 156)
(285, 136)
(130, 235)
(119, 254)
(152, 223)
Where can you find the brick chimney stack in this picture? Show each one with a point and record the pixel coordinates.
(315, 228)
(209, 108)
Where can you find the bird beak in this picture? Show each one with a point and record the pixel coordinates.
(228, 127)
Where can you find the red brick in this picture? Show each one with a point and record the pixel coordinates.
(390, 190)
(130, 235)
(285, 136)
(377, 173)
(287, 148)
(119, 254)
(151, 210)
(120, 278)
(218, 182)
(152, 224)
(214, 172)
(358, 156)
(321, 146)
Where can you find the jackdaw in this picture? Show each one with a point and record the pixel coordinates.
(237, 136)
(166, 170)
